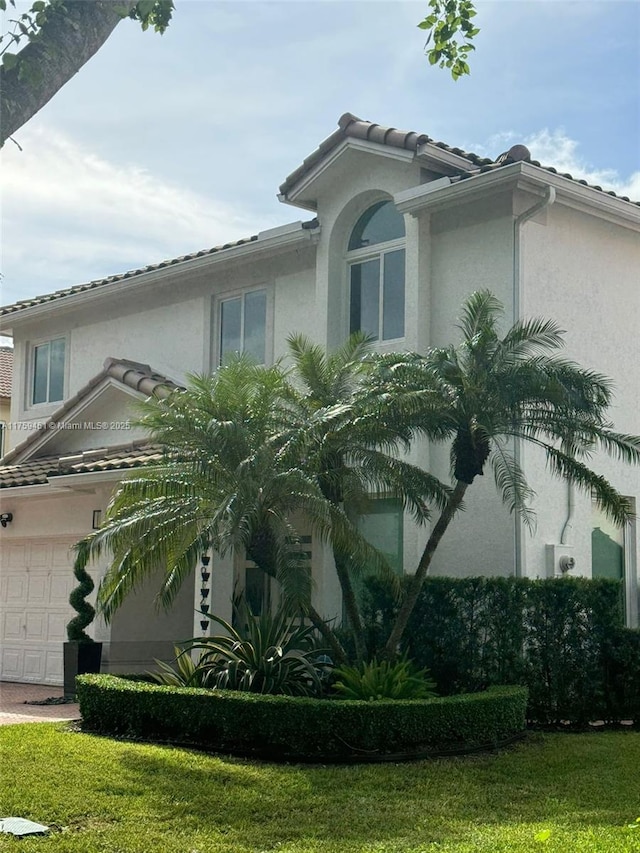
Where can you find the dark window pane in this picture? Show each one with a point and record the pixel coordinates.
(378, 224)
(382, 528)
(230, 326)
(40, 373)
(255, 590)
(365, 298)
(255, 318)
(56, 370)
(393, 296)
(607, 547)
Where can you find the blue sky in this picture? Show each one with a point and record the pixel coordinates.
(166, 145)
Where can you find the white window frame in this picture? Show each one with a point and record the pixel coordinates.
(216, 332)
(372, 253)
(630, 579)
(45, 405)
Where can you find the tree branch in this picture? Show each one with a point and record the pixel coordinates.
(69, 38)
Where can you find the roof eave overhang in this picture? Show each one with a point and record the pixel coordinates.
(271, 242)
(63, 484)
(37, 490)
(300, 194)
(437, 159)
(443, 193)
(86, 480)
(25, 450)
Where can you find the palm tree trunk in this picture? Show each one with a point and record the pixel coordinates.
(391, 649)
(350, 604)
(339, 654)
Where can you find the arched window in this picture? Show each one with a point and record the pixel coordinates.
(376, 271)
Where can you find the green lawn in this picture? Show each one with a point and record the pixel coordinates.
(105, 795)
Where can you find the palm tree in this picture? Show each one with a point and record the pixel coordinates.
(488, 391)
(351, 443)
(224, 484)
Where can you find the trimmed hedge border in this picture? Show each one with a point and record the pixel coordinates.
(292, 728)
(562, 638)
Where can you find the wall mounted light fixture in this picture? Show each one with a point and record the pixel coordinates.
(6, 518)
(95, 523)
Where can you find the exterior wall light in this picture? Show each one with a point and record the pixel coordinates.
(6, 518)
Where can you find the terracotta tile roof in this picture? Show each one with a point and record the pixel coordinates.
(6, 371)
(352, 127)
(134, 375)
(111, 279)
(44, 470)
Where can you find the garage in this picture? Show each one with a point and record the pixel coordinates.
(35, 582)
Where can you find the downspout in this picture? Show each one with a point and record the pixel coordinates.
(546, 201)
(568, 524)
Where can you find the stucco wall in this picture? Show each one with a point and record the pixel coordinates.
(582, 271)
(139, 633)
(172, 327)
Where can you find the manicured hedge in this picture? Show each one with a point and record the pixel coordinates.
(286, 727)
(561, 638)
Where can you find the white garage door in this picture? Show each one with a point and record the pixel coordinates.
(35, 581)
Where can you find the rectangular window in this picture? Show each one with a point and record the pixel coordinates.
(256, 590)
(382, 528)
(607, 547)
(377, 296)
(48, 372)
(243, 321)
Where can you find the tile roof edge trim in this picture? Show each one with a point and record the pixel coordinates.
(89, 391)
(290, 194)
(35, 489)
(269, 243)
(523, 176)
(67, 481)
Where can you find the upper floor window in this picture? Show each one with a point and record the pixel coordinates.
(376, 266)
(48, 372)
(243, 324)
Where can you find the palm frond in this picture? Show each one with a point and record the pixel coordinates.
(614, 505)
(512, 484)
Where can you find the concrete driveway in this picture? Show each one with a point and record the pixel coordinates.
(13, 710)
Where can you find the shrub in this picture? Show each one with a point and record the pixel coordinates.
(184, 674)
(383, 680)
(622, 676)
(562, 638)
(293, 727)
(270, 654)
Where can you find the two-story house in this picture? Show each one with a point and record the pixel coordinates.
(401, 229)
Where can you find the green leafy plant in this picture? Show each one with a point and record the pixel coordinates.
(384, 680)
(185, 674)
(86, 613)
(293, 727)
(446, 19)
(269, 654)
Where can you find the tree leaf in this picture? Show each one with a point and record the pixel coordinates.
(9, 61)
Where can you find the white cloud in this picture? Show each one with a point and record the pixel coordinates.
(555, 148)
(70, 216)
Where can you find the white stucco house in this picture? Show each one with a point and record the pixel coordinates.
(401, 229)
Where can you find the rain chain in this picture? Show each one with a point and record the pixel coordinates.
(205, 591)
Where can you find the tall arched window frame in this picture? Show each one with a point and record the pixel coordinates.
(376, 260)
